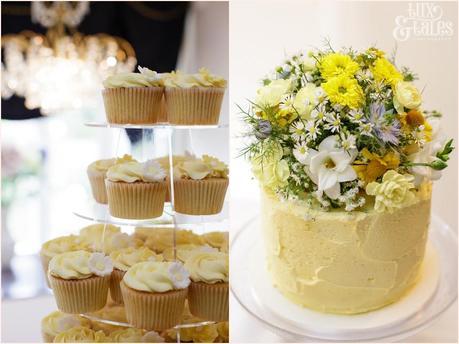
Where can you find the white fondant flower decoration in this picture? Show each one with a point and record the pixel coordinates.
(152, 337)
(179, 275)
(329, 166)
(153, 171)
(100, 264)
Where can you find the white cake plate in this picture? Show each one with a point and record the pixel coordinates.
(434, 293)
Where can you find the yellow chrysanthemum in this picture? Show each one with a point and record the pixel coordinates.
(336, 65)
(384, 71)
(344, 91)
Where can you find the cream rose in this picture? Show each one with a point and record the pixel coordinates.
(393, 192)
(407, 95)
(306, 99)
(271, 95)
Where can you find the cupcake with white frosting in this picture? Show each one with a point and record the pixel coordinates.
(154, 294)
(97, 172)
(57, 246)
(123, 259)
(200, 186)
(80, 280)
(136, 190)
(58, 322)
(194, 99)
(81, 335)
(133, 98)
(208, 291)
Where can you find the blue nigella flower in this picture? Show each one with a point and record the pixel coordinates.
(386, 131)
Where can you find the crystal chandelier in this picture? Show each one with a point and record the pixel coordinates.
(63, 69)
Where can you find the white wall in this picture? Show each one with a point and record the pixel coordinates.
(263, 32)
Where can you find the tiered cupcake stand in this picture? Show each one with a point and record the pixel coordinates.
(99, 213)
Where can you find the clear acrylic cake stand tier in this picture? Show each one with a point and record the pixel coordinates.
(436, 292)
(93, 211)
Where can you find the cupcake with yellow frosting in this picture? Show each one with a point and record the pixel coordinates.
(161, 239)
(80, 335)
(165, 164)
(183, 252)
(135, 335)
(223, 332)
(219, 240)
(194, 99)
(80, 280)
(122, 260)
(59, 245)
(97, 172)
(208, 292)
(136, 190)
(114, 313)
(154, 294)
(133, 98)
(58, 322)
(98, 235)
(200, 186)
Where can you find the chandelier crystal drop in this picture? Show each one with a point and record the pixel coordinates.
(61, 71)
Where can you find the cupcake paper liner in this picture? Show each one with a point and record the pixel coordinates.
(136, 200)
(153, 311)
(80, 296)
(209, 301)
(97, 181)
(133, 105)
(194, 106)
(115, 290)
(162, 115)
(200, 197)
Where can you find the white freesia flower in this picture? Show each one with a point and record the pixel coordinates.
(329, 166)
(100, 264)
(179, 275)
(428, 154)
(300, 152)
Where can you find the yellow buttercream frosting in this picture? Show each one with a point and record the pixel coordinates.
(202, 79)
(104, 164)
(95, 235)
(135, 335)
(344, 262)
(151, 277)
(183, 252)
(115, 313)
(58, 322)
(125, 258)
(80, 335)
(71, 265)
(62, 244)
(197, 169)
(131, 80)
(119, 241)
(218, 240)
(130, 172)
(160, 239)
(208, 267)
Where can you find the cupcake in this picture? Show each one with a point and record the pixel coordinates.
(59, 245)
(223, 332)
(161, 239)
(133, 98)
(219, 240)
(58, 322)
(122, 260)
(114, 313)
(80, 281)
(194, 99)
(80, 335)
(136, 190)
(200, 186)
(96, 173)
(135, 335)
(154, 294)
(208, 292)
(165, 164)
(96, 235)
(183, 252)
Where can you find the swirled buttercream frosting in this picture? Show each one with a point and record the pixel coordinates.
(79, 265)
(130, 172)
(208, 267)
(125, 258)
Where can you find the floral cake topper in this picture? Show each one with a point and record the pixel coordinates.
(337, 128)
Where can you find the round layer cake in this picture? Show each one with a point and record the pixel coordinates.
(344, 262)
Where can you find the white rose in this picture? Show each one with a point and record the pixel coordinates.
(306, 99)
(271, 95)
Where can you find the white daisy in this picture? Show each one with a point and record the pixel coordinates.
(347, 141)
(333, 122)
(366, 129)
(300, 152)
(312, 130)
(287, 101)
(356, 116)
(318, 114)
(179, 275)
(297, 130)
